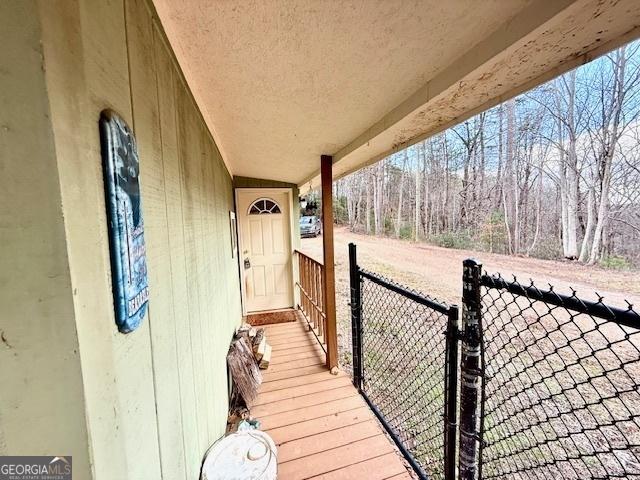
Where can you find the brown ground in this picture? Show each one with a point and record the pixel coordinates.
(437, 271)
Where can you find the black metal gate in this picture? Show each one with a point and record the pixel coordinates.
(545, 386)
(405, 366)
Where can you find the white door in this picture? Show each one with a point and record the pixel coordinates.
(265, 249)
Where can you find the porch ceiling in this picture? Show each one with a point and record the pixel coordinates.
(282, 82)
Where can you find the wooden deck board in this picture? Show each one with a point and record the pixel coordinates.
(304, 339)
(327, 440)
(336, 459)
(376, 468)
(321, 425)
(302, 402)
(302, 390)
(273, 329)
(294, 417)
(288, 348)
(284, 344)
(291, 327)
(303, 348)
(268, 376)
(295, 364)
(285, 327)
(285, 356)
(296, 381)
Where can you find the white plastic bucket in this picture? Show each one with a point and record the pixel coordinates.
(247, 455)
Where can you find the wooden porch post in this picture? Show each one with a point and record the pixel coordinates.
(326, 167)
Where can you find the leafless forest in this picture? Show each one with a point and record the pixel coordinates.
(553, 173)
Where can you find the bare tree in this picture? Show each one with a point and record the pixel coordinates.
(398, 224)
(615, 89)
(378, 197)
(553, 173)
(419, 169)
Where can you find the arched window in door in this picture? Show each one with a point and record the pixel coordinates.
(264, 206)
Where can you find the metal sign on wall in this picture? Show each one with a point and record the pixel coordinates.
(124, 216)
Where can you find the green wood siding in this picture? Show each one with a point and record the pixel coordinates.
(155, 399)
(42, 409)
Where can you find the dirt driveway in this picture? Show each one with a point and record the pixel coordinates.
(437, 271)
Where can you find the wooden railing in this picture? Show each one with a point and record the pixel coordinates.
(311, 277)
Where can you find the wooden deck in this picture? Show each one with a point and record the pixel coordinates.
(321, 425)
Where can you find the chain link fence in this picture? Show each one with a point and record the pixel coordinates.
(544, 386)
(561, 378)
(399, 366)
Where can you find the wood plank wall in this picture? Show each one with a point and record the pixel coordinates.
(41, 393)
(156, 398)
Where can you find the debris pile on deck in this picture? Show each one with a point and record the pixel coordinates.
(248, 354)
(261, 349)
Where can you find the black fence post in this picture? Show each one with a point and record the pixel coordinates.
(470, 370)
(451, 392)
(356, 320)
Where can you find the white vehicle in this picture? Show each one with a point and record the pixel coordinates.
(309, 226)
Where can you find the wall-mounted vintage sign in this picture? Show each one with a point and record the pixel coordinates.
(126, 226)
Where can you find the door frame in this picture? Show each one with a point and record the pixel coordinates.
(264, 191)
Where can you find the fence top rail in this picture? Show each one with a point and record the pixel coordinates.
(309, 258)
(394, 287)
(629, 317)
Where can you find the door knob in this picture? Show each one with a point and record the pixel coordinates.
(247, 263)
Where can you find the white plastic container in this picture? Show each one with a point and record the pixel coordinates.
(247, 455)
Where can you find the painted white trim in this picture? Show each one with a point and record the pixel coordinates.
(259, 199)
(289, 192)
